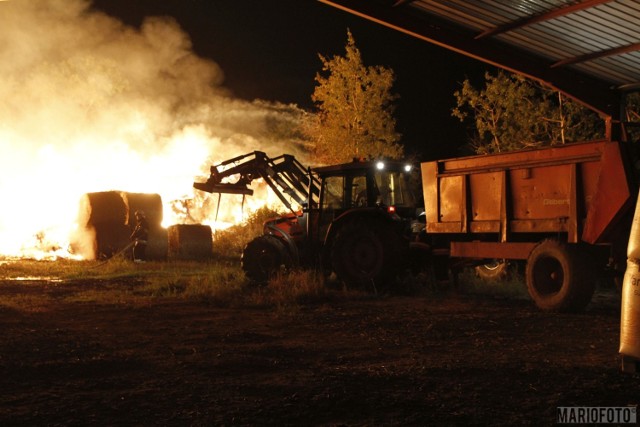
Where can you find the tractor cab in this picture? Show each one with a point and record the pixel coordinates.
(364, 188)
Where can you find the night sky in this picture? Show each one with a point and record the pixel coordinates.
(269, 50)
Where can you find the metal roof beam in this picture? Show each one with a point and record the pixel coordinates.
(561, 11)
(595, 55)
(593, 93)
(402, 2)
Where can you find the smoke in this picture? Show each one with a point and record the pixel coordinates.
(89, 104)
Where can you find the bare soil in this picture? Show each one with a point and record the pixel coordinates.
(447, 359)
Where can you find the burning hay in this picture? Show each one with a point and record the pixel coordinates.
(102, 231)
(107, 207)
(106, 220)
(98, 104)
(151, 205)
(190, 242)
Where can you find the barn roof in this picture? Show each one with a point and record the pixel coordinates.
(588, 49)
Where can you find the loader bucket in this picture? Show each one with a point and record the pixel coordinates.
(236, 188)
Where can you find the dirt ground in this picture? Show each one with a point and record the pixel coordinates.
(447, 359)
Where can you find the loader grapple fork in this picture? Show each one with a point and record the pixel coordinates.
(284, 174)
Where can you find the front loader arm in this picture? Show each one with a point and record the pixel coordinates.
(284, 175)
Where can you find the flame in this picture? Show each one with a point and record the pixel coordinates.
(88, 104)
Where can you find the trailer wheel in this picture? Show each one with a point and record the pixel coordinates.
(559, 278)
(363, 253)
(494, 271)
(263, 257)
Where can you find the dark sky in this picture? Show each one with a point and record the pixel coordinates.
(268, 49)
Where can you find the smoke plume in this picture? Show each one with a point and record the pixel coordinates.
(89, 104)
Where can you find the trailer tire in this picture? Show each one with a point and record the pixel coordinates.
(263, 257)
(364, 253)
(495, 270)
(559, 277)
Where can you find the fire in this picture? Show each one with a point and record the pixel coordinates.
(97, 106)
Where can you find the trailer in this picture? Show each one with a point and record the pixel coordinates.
(566, 210)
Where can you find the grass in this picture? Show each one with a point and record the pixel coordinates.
(510, 286)
(219, 282)
(120, 281)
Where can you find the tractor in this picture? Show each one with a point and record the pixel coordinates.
(353, 219)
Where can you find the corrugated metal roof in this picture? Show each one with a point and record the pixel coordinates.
(589, 49)
(587, 37)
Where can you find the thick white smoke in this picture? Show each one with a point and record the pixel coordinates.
(89, 104)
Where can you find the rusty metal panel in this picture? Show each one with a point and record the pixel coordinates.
(588, 178)
(542, 193)
(578, 189)
(486, 193)
(451, 198)
(429, 172)
(482, 250)
(555, 155)
(554, 225)
(612, 197)
(484, 227)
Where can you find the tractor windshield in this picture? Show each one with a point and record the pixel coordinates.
(395, 189)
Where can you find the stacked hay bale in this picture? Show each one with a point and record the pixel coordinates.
(106, 220)
(151, 205)
(190, 242)
(102, 231)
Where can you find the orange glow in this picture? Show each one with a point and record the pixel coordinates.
(88, 104)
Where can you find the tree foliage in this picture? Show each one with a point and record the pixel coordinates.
(355, 110)
(512, 112)
(632, 115)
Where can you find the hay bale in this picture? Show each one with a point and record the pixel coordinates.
(106, 220)
(100, 208)
(111, 238)
(190, 242)
(158, 244)
(149, 203)
(100, 241)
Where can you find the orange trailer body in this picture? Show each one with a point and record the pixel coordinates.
(502, 205)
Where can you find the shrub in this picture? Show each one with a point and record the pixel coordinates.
(230, 242)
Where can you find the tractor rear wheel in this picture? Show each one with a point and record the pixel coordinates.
(366, 253)
(560, 277)
(263, 257)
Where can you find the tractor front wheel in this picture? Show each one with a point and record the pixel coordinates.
(263, 257)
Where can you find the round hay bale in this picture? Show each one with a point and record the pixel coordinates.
(149, 203)
(111, 238)
(100, 241)
(190, 242)
(158, 243)
(102, 207)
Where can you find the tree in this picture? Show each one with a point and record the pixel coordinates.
(632, 115)
(512, 112)
(355, 110)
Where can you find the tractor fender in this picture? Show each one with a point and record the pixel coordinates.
(288, 242)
